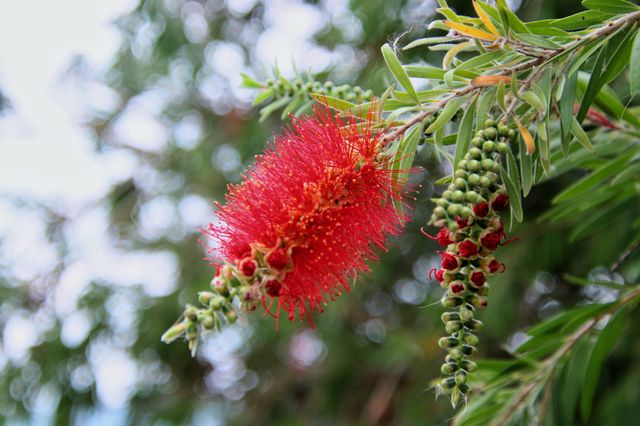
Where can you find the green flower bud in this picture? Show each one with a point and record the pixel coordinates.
(464, 388)
(466, 315)
(448, 368)
(480, 134)
(503, 148)
(176, 331)
(457, 196)
(460, 183)
(453, 326)
(474, 325)
(231, 316)
(463, 164)
(447, 384)
(207, 322)
(489, 123)
(492, 176)
(439, 212)
(496, 167)
(503, 130)
(469, 350)
(446, 194)
(485, 182)
(449, 302)
(475, 153)
(442, 203)
(489, 146)
(484, 290)
(473, 165)
(468, 365)
(191, 314)
(477, 142)
(461, 377)
(192, 331)
(460, 173)
(448, 342)
(456, 354)
(204, 297)
(512, 134)
(449, 316)
(471, 339)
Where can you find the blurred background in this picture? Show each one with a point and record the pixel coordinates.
(120, 123)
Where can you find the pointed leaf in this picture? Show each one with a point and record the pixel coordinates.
(446, 114)
(398, 71)
(465, 133)
(471, 31)
(634, 67)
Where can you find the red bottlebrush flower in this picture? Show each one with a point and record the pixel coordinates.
(440, 275)
(322, 193)
(247, 267)
(273, 288)
(462, 223)
(449, 261)
(481, 209)
(494, 265)
(478, 278)
(457, 287)
(278, 259)
(500, 203)
(443, 237)
(491, 240)
(467, 248)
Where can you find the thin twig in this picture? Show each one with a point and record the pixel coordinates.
(539, 61)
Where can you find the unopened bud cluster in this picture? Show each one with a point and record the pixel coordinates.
(283, 89)
(243, 284)
(470, 231)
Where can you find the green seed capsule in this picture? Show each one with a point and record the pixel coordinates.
(469, 350)
(468, 365)
(484, 290)
(489, 123)
(503, 130)
(442, 203)
(489, 146)
(460, 173)
(480, 134)
(453, 326)
(490, 134)
(448, 384)
(466, 212)
(485, 182)
(460, 183)
(496, 167)
(477, 142)
(231, 316)
(454, 210)
(512, 134)
(457, 196)
(503, 148)
(487, 164)
(471, 339)
(208, 322)
(461, 377)
(473, 179)
(463, 164)
(472, 196)
(446, 194)
(475, 153)
(492, 176)
(204, 297)
(448, 368)
(191, 314)
(473, 165)
(439, 212)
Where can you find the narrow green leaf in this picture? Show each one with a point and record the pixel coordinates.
(526, 169)
(514, 195)
(619, 58)
(423, 71)
(581, 20)
(580, 134)
(427, 41)
(585, 54)
(634, 67)
(604, 345)
(514, 23)
(446, 114)
(465, 133)
(532, 99)
(611, 6)
(484, 104)
(543, 139)
(593, 87)
(566, 109)
(250, 82)
(500, 97)
(575, 377)
(398, 71)
(269, 109)
(263, 96)
(588, 182)
(402, 161)
(332, 102)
